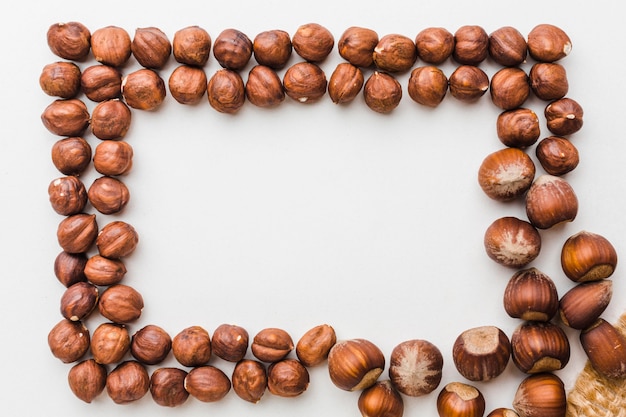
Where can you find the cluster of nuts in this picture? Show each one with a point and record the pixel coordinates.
(93, 279)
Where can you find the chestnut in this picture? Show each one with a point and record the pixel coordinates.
(506, 174)
(605, 347)
(531, 295)
(540, 395)
(355, 364)
(588, 256)
(381, 400)
(481, 353)
(457, 399)
(550, 200)
(582, 305)
(539, 347)
(415, 367)
(512, 242)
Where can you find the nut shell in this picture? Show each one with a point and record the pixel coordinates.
(587, 256)
(69, 268)
(518, 128)
(548, 81)
(101, 82)
(60, 79)
(69, 40)
(77, 233)
(459, 399)
(207, 383)
(557, 155)
(121, 304)
(192, 346)
(110, 119)
(548, 43)
(540, 347)
(79, 300)
(271, 344)
(434, 45)
(512, 242)
(151, 47)
(230, 342)
(150, 345)
(550, 200)
(71, 155)
(381, 399)
(272, 48)
(507, 46)
(605, 347)
(481, 353)
(128, 382)
(191, 46)
(143, 89)
(355, 364)
(117, 240)
(395, 53)
(382, 92)
(108, 195)
(226, 91)
(68, 340)
(263, 87)
(111, 45)
(305, 82)
(110, 343)
(509, 88)
(113, 157)
(287, 378)
(540, 395)
(249, 380)
(415, 367)
(356, 45)
(313, 347)
(66, 117)
(345, 83)
(468, 83)
(67, 195)
(582, 305)
(531, 295)
(564, 116)
(187, 84)
(87, 379)
(427, 86)
(471, 45)
(232, 49)
(167, 387)
(506, 174)
(313, 42)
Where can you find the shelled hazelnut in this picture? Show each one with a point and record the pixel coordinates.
(548, 43)
(151, 47)
(230, 342)
(564, 116)
(191, 45)
(69, 268)
(395, 53)
(512, 242)
(415, 367)
(67, 195)
(110, 343)
(60, 79)
(150, 345)
(507, 46)
(548, 81)
(104, 271)
(69, 40)
(305, 82)
(66, 117)
(79, 300)
(356, 45)
(226, 91)
(167, 387)
(263, 87)
(128, 382)
(272, 48)
(192, 346)
(111, 45)
(249, 380)
(539, 347)
(355, 364)
(481, 353)
(605, 347)
(427, 86)
(506, 174)
(68, 340)
(121, 304)
(187, 84)
(110, 119)
(471, 45)
(459, 399)
(117, 239)
(557, 155)
(232, 49)
(509, 88)
(314, 345)
(588, 256)
(101, 82)
(113, 157)
(550, 200)
(71, 156)
(540, 395)
(287, 378)
(468, 83)
(583, 304)
(531, 295)
(77, 233)
(381, 400)
(87, 379)
(382, 92)
(434, 45)
(108, 195)
(207, 383)
(271, 344)
(143, 89)
(345, 83)
(518, 128)
(313, 42)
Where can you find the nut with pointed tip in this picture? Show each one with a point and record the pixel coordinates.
(87, 379)
(230, 342)
(381, 400)
(588, 256)
(506, 174)
(557, 155)
(78, 301)
(314, 346)
(581, 306)
(382, 92)
(457, 399)
(192, 346)
(468, 83)
(540, 395)
(512, 242)
(415, 367)
(249, 380)
(128, 382)
(68, 340)
(518, 128)
(539, 347)
(531, 295)
(605, 347)
(548, 43)
(207, 383)
(167, 387)
(564, 116)
(271, 344)
(550, 200)
(104, 271)
(481, 353)
(356, 45)
(110, 343)
(355, 364)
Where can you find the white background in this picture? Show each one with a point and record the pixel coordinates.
(303, 214)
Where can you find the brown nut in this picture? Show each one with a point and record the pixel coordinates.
(66, 117)
(272, 48)
(71, 155)
(192, 346)
(143, 89)
(459, 399)
(77, 233)
(207, 383)
(548, 43)
(226, 91)
(355, 364)
(605, 347)
(68, 340)
(548, 81)
(550, 200)
(110, 343)
(108, 195)
(101, 82)
(128, 382)
(313, 42)
(110, 119)
(67, 195)
(150, 344)
(87, 379)
(314, 346)
(113, 157)
(518, 128)
(230, 342)
(249, 380)
(104, 271)
(120, 304)
(564, 116)
(582, 305)
(117, 240)
(60, 79)
(271, 344)
(151, 47)
(512, 242)
(232, 49)
(263, 87)
(507, 46)
(481, 353)
(305, 82)
(381, 399)
(557, 155)
(503, 412)
(79, 300)
(540, 395)
(167, 387)
(434, 45)
(587, 256)
(287, 378)
(356, 45)
(471, 45)
(395, 53)
(191, 46)
(111, 45)
(69, 268)
(509, 88)
(415, 367)
(468, 83)
(427, 86)
(531, 295)
(187, 84)
(506, 174)
(70, 40)
(539, 347)
(345, 83)
(382, 92)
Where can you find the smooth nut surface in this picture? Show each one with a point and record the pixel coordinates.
(264, 87)
(287, 378)
(460, 399)
(588, 256)
(192, 346)
(345, 83)
(518, 128)
(468, 83)
(471, 45)
(111, 45)
(557, 155)
(481, 353)
(167, 387)
(434, 45)
(548, 43)
(207, 383)
(113, 157)
(230, 342)
(395, 53)
(531, 295)
(272, 48)
(415, 367)
(69, 40)
(117, 239)
(427, 86)
(79, 300)
(381, 399)
(66, 117)
(541, 395)
(110, 119)
(121, 304)
(605, 347)
(382, 92)
(143, 89)
(539, 347)
(355, 364)
(67, 195)
(191, 46)
(506, 174)
(509, 88)
(271, 344)
(305, 82)
(68, 340)
(108, 195)
(313, 42)
(356, 45)
(550, 200)
(128, 382)
(71, 156)
(187, 84)
(314, 346)
(583, 304)
(101, 82)
(60, 79)
(548, 81)
(77, 233)
(87, 379)
(564, 116)
(69, 268)
(507, 46)
(512, 242)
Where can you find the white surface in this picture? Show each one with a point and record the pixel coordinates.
(304, 214)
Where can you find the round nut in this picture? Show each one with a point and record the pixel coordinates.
(459, 399)
(305, 82)
(548, 81)
(512, 242)
(587, 256)
(232, 49)
(428, 86)
(77, 233)
(605, 347)
(557, 155)
(60, 79)
(117, 240)
(434, 45)
(356, 45)
(481, 353)
(78, 301)
(313, 42)
(70, 40)
(187, 84)
(564, 116)
(71, 155)
(113, 157)
(167, 387)
(507, 46)
(355, 364)
(272, 48)
(150, 344)
(506, 174)
(287, 378)
(110, 119)
(415, 367)
(541, 395)
(110, 343)
(382, 92)
(271, 344)
(539, 347)
(314, 346)
(550, 200)
(230, 342)
(249, 380)
(345, 83)
(468, 83)
(395, 53)
(111, 45)
(381, 399)
(548, 43)
(582, 305)
(69, 268)
(509, 88)
(531, 295)
(143, 89)
(192, 346)
(191, 46)
(67, 195)
(151, 47)
(87, 379)
(471, 45)
(518, 128)
(128, 382)
(207, 383)
(108, 195)
(120, 304)
(104, 271)
(66, 117)
(68, 340)
(263, 87)
(101, 82)
(226, 91)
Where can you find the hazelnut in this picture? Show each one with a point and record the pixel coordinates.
(313, 42)
(71, 155)
(117, 240)
(151, 47)
(232, 49)
(305, 82)
(70, 40)
(104, 271)
(531, 295)
(263, 87)
(78, 301)
(503, 412)
(128, 382)
(60, 79)
(111, 45)
(564, 116)
(459, 399)
(68, 340)
(66, 117)
(428, 86)
(150, 345)
(113, 157)
(509, 88)
(230, 342)
(192, 346)
(548, 43)
(67, 195)
(345, 83)
(557, 155)
(191, 46)
(272, 48)
(506, 174)
(143, 89)
(167, 387)
(69, 268)
(382, 92)
(587, 256)
(356, 45)
(314, 346)
(355, 364)
(77, 233)
(471, 45)
(271, 344)
(518, 128)
(395, 53)
(605, 347)
(512, 242)
(415, 367)
(110, 119)
(539, 347)
(120, 304)
(434, 45)
(548, 81)
(582, 305)
(249, 380)
(287, 378)
(207, 383)
(507, 46)
(468, 83)
(550, 200)
(110, 343)
(108, 195)
(540, 395)
(226, 91)
(101, 82)
(87, 379)
(187, 84)
(381, 400)
(481, 353)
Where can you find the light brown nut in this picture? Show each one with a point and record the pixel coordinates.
(271, 344)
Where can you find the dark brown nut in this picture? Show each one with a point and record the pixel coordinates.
(503, 412)
(427, 86)
(518, 128)
(345, 83)
(313, 42)
(104, 271)
(471, 45)
(67, 195)
(605, 347)
(128, 382)
(548, 43)
(557, 155)
(305, 82)
(120, 303)
(249, 380)
(69, 268)
(459, 399)
(71, 156)
(415, 367)
(541, 395)
(232, 49)
(272, 48)
(143, 89)
(314, 346)
(226, 91)
(468, 83)
(582, 305)
(66, 117)
(356, 45)
(548, 81)
(60, 79)
(87, 379)
(150, 344)
(151, 47)
(187, 84)
(549, 201)
(506, 174)
(382, 92)
(110, 119)
(110, 343)
(507, 46)
(587, 256)
(108, 195)
(77, 233)
(564, 116)
(230, 342)
(512, 242)
(509, 88)
(271, 344)
(192, 346)
(117, 240)
(110, 45)
(381, 399)
(531, 295)
(395, 53)
(79, 300)
(167, 387)
(192, 46)
(287, 378)
(113, 157)
(101, 82)
(207, 383)
(434, 45)
(539, 347)
(355, 364)
(70, 40)
(68, 340)
(481, 353)
(263, 87)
